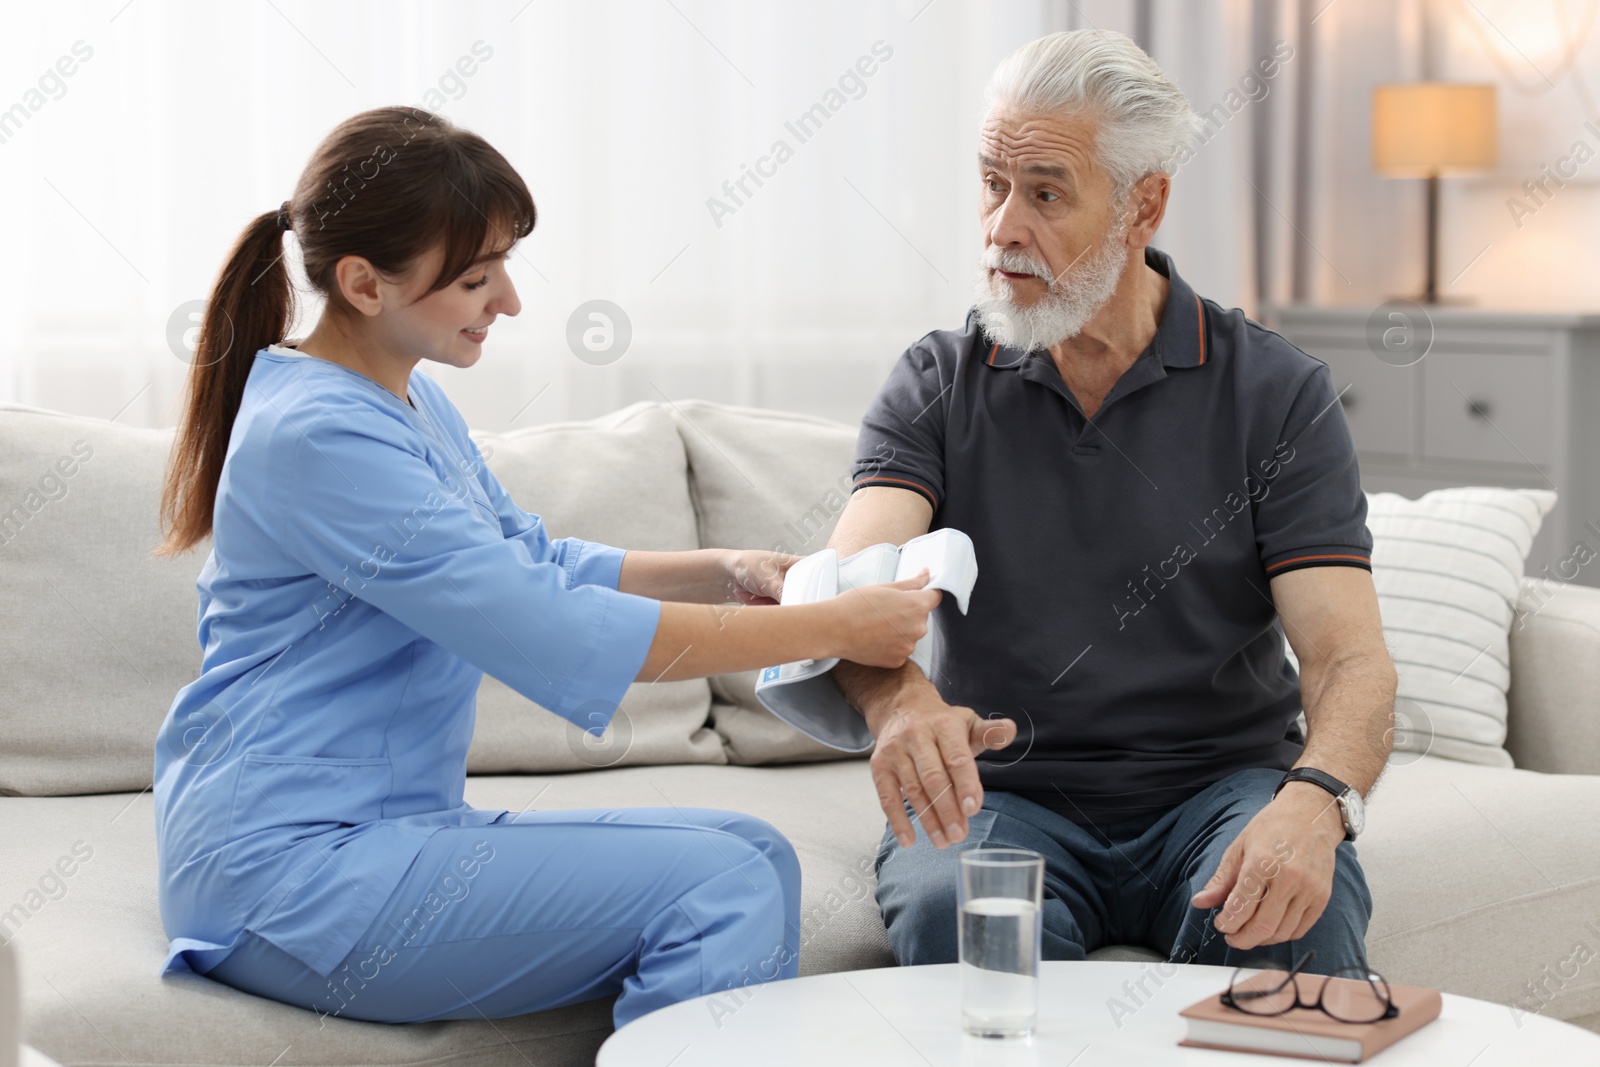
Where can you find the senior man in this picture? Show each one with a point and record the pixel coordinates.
(1158, 490)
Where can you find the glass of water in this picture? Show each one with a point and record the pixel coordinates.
(1000, 895)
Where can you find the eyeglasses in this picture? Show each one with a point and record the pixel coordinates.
(1355, 994)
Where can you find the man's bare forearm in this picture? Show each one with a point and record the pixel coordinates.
(873, 691)
(879, 515)
(1349, 706)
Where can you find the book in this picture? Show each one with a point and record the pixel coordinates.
(1307, 1032)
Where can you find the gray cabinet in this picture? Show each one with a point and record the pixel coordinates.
(1448, 396)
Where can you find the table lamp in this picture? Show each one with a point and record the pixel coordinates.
(1429, 129)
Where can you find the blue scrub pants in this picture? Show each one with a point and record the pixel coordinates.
(1125, 883)
(545, 908)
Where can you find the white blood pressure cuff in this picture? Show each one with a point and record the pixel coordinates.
(804, 694)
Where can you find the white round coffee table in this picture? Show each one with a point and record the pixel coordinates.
(911, 1016)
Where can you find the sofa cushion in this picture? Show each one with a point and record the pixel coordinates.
(770, 480)
(1515, 849)
(91, 942)
(1484, 883)
(100, 635)
(1448, 570)
(620, 479)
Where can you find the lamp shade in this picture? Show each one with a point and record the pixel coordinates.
(1425, 129)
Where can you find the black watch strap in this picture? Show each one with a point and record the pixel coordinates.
(1325, 780)
(1315, 777)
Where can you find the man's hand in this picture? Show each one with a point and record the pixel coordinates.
(925, 755)
(1276, 878)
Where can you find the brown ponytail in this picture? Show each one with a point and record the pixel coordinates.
(388, 185)
(251, 306)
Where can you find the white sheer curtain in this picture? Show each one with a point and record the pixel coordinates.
(624, 117)
(127, 184)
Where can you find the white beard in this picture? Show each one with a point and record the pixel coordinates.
(1062, 313)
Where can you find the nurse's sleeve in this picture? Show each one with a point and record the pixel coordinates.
(584, 562)
(359, 505)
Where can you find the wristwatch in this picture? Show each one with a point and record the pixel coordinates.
(1351, 810)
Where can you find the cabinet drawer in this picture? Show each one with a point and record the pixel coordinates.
(1487, 407)
(1376, 397)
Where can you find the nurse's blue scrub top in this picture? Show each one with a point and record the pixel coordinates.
(366, 570)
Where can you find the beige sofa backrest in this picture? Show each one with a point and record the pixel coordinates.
(99, 635)
(1554, 720)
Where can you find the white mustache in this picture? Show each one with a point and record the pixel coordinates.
(1017, 263)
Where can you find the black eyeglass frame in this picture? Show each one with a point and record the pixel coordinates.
(1361, 972)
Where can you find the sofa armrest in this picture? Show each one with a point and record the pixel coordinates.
(1554, 720)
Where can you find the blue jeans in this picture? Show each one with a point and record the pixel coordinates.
(657, 905)
(1123, 883)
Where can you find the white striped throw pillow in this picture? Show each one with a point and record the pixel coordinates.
(1448, 567)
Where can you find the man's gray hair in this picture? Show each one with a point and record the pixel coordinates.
(1144, 120)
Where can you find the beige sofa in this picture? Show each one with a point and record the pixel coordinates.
(1485, 880)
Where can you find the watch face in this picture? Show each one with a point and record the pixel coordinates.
(1355, 812)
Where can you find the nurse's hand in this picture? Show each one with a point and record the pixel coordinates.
(880, 625)
(756, 577)
(877, 624)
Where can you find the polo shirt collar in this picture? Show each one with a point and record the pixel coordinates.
(1180, 339)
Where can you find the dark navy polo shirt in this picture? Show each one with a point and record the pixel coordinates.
(1122, 614)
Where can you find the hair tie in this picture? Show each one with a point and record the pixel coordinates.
(283, 217)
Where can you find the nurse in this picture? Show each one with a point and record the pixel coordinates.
(366, 569)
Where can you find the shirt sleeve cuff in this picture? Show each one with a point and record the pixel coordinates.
(621, 643)
(899, 481)
(591, 563)
(1317, 556)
